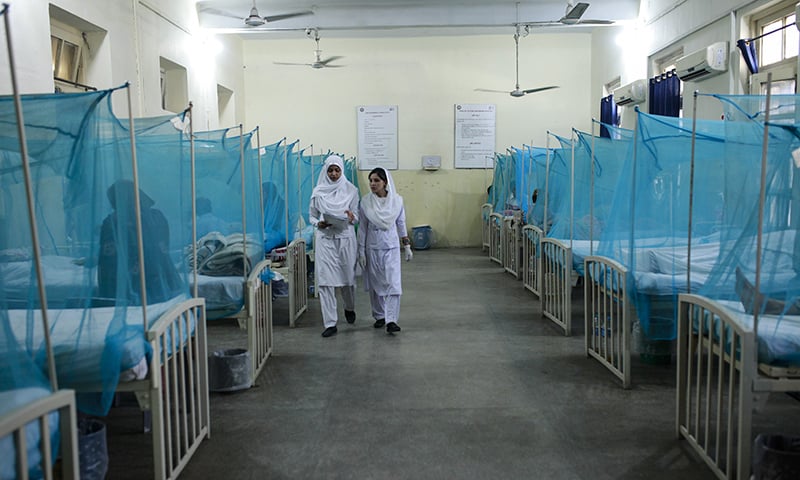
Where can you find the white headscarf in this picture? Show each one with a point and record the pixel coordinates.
(383, 212)
(333, 197)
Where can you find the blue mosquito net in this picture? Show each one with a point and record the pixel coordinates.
(535, 183)
(734, 277)
(557, 184)
(23, 376)
(230, 237)
(275, 177)
(85, 199)
(648, 227)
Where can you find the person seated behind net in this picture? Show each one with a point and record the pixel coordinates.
(118, 274)
(207, 221)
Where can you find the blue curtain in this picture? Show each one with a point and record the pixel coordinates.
(665, 94)
(608, 115)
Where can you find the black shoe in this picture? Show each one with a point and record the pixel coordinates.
(330, 331)
(350, 316)
(392, 327)
(379, 323)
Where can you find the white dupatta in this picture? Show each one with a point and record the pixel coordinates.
(383, 212)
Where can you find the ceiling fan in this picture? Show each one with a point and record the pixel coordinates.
(319, 62)
(517, 92)
(254, 19)
(571, 17)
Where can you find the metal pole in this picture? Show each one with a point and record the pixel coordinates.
(546, 182)
(761, 202)
(691, 197)
(192, 159)
(591, 194)
(138, 210)
(260, 181)
(286, 189)
(244, 202)
(26, 171)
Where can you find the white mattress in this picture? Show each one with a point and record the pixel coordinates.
(778, 337)
(9, 401)
(91, 343)
(65, 279)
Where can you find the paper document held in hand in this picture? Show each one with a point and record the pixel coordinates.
(338, 223)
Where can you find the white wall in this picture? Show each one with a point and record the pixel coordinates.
(138, 32)
(425, 77)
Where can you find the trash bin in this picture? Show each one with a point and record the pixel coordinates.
(229, 370)
(421, 237)
(92, 449)
(776, 457)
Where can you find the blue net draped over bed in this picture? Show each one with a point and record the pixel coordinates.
(732, 280)
(86, 214)
(557, 184)
(22, 378)
(278, 221)
(648, 227)
(535, 181)
(230, 237)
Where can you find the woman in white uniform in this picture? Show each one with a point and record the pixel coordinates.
(333, 210)
(381, 231)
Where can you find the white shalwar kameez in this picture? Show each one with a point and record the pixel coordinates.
(380, 244)
(335, 250)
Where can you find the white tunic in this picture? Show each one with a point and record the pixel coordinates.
(382, 250)
(335, 252)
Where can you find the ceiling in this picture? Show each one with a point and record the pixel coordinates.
(402, 17)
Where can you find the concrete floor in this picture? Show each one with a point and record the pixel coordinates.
(477, 385)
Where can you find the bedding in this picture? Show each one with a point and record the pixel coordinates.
(86, 340)
(10, 400)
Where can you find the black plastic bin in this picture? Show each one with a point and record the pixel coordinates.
(229, 370)
(92, 449)
(776, 457)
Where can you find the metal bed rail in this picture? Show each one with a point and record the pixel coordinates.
(531, 260)
(496, 238)
(607, 316)
(512, 245)
(259, 318)
(486, 211)
(556, 278)
(14, 423)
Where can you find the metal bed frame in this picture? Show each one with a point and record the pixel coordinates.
(486, 211)
(531, 259)
(556, 282)
(608, 316)
(176, 389)
(496, 238)
(14, 423)
(718, 377)
(295, 270)
(511, 245)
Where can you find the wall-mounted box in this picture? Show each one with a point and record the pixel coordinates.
(431, 162)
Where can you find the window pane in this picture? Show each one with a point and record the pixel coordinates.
(792, 38)
(771, 45)
(68, 60)
(55, 43)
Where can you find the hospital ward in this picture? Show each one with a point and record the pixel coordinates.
(394, 239)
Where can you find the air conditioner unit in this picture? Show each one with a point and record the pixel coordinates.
(634, 92)
(704, 63)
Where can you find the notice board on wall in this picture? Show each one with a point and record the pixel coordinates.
(377, 136)
(474, 135)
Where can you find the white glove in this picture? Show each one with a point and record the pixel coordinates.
(362, 261)
(409, 255)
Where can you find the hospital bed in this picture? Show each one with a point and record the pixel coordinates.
(172, 384)
(659, 277)
(722, 365)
